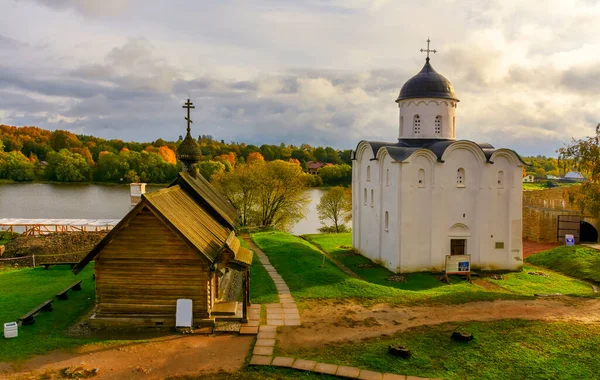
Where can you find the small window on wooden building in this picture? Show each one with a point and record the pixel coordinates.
(460, 178)
(421, 177)
(387, 221)
(458, 246)
(499, 245)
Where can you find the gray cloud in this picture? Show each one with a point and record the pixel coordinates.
(90, 8)
(320, 72)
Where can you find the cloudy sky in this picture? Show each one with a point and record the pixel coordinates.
(323, 72)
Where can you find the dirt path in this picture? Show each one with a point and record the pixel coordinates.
(533, 247)
(157, 359)
(324, 323)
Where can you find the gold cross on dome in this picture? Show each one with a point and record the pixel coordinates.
(428, 50)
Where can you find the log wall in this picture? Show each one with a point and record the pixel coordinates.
(145, 269)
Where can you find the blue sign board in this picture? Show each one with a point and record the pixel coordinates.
(569, 240)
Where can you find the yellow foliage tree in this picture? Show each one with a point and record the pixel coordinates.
(167, 154)
(255, 157)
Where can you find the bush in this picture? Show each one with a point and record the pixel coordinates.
(331, 229)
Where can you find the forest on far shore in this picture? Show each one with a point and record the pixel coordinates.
(35, 154)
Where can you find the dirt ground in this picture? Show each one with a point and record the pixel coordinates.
(533, 247)
(156, 359)
(324, 323)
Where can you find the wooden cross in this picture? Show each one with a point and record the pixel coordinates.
(428, 50)
(189, 105)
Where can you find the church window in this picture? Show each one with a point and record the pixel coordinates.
(417, 124)
(369, 173)
(458, 246)
(500, 179)
(372, 202)
(421, 178)
(438, 125)
(365, 197)
(387, 221)
(460, 178)
(387, 177)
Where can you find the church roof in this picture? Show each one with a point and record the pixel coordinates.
(404, 148)
(428, 83)
(206, 193)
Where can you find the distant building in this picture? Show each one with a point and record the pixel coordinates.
(552, 177)
(574, 177)
(313, 167)
(530, 178)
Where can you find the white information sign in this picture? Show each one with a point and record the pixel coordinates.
(458, 264)
(569, 240)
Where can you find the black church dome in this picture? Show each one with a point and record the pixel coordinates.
(428, 83)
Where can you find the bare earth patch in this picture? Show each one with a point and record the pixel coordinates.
(324, 323)
(155, 359)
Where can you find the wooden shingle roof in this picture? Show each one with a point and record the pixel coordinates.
(191, 220)
(207, 193)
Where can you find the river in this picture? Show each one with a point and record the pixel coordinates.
(63, 201)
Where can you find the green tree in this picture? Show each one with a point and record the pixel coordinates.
(210, 168)
(335, 207)
(585, 155)
(336, 175)
(65, 166)
(15, 166)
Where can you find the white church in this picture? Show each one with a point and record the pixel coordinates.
(429, 195)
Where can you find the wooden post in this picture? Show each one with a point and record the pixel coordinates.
(245, 283)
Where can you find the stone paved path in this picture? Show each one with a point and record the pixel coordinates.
(285, 313)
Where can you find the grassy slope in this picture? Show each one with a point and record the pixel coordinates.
(579, 262)
(507, 349)
(262, 287)
(24, 289)
(301, 266)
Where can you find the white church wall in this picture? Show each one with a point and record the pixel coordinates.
(389, 232)
(366, 209)
(416, 190)
(427, 109)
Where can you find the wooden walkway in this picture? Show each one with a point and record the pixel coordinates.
(32, 227)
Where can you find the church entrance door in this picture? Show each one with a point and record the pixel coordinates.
(458, 246)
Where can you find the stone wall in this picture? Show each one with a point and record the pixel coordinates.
(541, 209)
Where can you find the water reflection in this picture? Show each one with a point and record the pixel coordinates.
(61, 201)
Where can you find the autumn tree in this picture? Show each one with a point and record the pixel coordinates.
(167, 154)
(210, 168)
(255, 157)
(585, 156)
(335, 206)
(269, 194)
(65, 166)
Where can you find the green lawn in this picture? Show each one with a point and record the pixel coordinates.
(507, 349)
(542, 185)
(301, 265)
(262, 287)
(580, 262)
(5, 237)
(24, 289)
